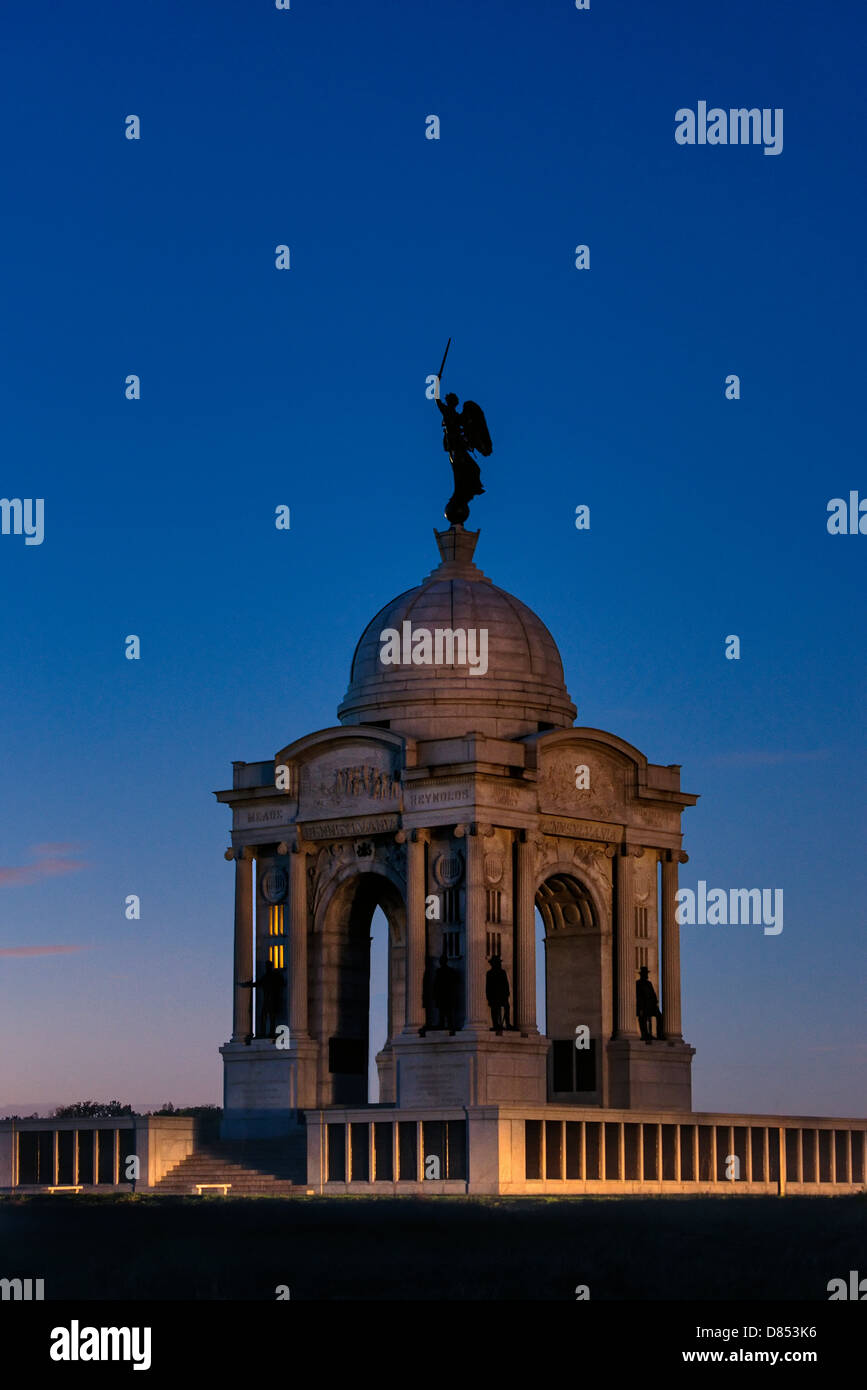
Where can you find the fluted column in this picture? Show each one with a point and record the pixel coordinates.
(242, 1013)
(525, 931)
(475, 1015)
(298, 940)
(415, 841)
(671, 1021)
(627, 1026)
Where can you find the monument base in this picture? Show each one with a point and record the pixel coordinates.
(385, 1071)
(264, 1087)
(648, 1076)
(469, 1069)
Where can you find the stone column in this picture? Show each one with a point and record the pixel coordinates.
(475, 1014)
(242, 1020)
(298, 940)
(671, 1022)
(626, 1023)
(415, 841)
(525, 933)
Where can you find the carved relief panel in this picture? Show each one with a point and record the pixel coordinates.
(349, 781)
(581, 781)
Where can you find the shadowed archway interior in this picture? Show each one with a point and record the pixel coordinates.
(344, 1007)
(570, 979)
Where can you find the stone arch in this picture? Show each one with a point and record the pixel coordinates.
(340, 978)
(575, 974)
(565, 903)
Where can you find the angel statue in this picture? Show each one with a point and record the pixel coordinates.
(464, 432)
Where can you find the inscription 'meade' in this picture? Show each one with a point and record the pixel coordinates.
(268, 815)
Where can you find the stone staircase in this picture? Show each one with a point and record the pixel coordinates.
(254, 1167)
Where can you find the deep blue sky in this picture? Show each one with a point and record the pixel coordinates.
(306, 387)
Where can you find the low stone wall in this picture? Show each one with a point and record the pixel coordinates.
(39, 1154)
(549, 1150)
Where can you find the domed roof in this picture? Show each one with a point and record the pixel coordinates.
(457, 655)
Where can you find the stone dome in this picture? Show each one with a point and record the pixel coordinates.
(412, 673)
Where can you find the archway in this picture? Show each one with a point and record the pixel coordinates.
(569, 987)
(342, 1006)
(378, 1028)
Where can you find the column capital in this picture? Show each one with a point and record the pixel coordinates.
(247, 852)
(230, 854)
(634, 851)
(415, 837)
(480, 828)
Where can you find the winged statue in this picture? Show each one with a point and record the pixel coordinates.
(465, 433)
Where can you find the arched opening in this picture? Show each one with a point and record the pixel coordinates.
(361, 989)
(569, 987)
(378, 1034)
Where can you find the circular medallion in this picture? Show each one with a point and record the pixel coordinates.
(275, 884)
(448, 869)
(494, 868)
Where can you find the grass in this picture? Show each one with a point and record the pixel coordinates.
(433, 1248)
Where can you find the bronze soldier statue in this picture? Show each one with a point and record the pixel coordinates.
(445, 995)
(497, 994)
(647, 1006)
(271, 984)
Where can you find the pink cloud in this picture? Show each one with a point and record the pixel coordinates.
(39, 950)
(52, 860)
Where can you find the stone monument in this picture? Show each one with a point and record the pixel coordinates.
(457, 794)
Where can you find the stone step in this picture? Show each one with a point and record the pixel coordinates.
(280, 1189)
(263, 1166)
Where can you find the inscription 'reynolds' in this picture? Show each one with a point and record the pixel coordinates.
(444, 646)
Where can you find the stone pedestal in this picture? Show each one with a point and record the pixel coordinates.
(469, 1070)
(385, 1070)
(264, 1087)
(648, 1076)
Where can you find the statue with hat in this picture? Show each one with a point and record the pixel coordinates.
(272, 985)
(647, 1006)
(497, 994)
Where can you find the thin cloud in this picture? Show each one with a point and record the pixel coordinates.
(51, 861)
(39, 950)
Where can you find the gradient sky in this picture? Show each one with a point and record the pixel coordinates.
(307, 388)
